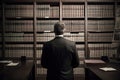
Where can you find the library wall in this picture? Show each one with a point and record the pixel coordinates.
(103, 29)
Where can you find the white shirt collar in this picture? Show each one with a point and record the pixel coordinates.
(58, 35)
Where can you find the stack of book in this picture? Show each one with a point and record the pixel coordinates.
(73, 11)
(19, 26)
(100, 11)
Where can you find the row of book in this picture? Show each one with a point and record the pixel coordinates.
(19, 25)
(42, 25)
(18, 10)
(39, 39)
(79, 37)
(98, 50)
(100, 0)
(29, 53)
(19, 46)
(43, 71)
(9, 53)
(69, 11)
(42, 11)
(78, 46)
(99, 53)
(18, 50)
(80, 54)
(38, 46)
(48, 25)
(74, 25)
(74, 37)
(100, 25)
(45, 25)
(93, 25)
(99, 37)
(47, 11)
(18, 53)
(18, 37)
(98, 11)
(73, 11)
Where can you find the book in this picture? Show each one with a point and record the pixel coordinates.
(94, 61)
(5, 61)
(108, 69)
(12, 64)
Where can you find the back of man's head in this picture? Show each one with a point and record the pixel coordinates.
(59, 28)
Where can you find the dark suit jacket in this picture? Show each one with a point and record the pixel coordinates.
(59, 57)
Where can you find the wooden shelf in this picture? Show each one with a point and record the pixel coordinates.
(100, 3)
(47, 1)
(19, 18)
(81, 18)
(100, 42)
(19, 42)
(101, 18)
(38, 18)
(100, 31)
(18, 1)
(79, 1)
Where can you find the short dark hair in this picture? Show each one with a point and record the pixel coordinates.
(59, 28)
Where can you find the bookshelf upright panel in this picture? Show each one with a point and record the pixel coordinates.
(117, 24)
(0, 29)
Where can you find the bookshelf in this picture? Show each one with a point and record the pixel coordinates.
(18, 31)
(101, 24)
(26, 25)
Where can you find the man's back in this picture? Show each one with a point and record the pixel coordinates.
(61, 57)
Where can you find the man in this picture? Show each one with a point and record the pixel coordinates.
(59, 56)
